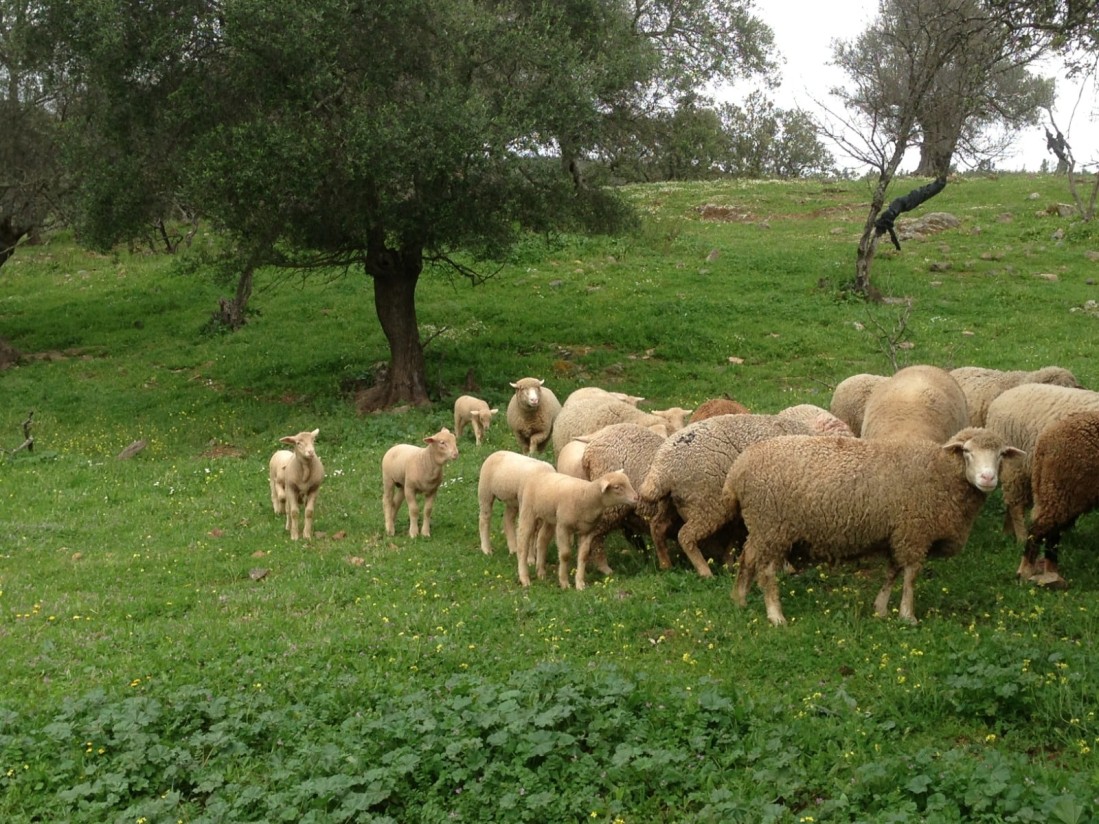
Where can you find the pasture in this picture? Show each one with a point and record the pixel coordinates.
(170, 655)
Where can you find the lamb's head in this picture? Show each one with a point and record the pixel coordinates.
(483, 417)
(616, 489)
(983, 451)
(443, 446)
(528, 391)
(304, 444)
(676, 417)
(1056, 375)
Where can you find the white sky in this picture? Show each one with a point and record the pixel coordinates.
(803, 36)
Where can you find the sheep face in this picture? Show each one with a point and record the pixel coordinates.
(529, 392)
(983, 454)
(444, 445)
(304, 443)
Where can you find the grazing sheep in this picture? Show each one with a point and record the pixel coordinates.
(408, 471)
(850, 396)
(296, 475)
(1064, 469)
(531, 413)
(917, 402)
(573, 506)
(475, 412)
(629, 447)
(569, 458)
(501, 479)
(820, 420)
(687, 473)
(1019, 415)
(592, 414)
(982, 386)
(717, 406)
(587, 392)
(840, 498)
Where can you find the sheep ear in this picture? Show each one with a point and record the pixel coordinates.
(1012, 452)
(290, 439)
(542, 382)
(493, 411)
(316, 432)
(513, 385)
(429, 439)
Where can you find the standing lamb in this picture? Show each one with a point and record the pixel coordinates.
(685, 479)
(917, 402)
(408, 471)
(982, 386)
(840, 498)
(295, 477)
(631, 448)
(532, 411)
(571, 505)
(593, 413)
(501, 479)
(475, 412)
(1019, 416)
(1064, 469)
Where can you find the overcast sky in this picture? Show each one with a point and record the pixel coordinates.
(804, 33)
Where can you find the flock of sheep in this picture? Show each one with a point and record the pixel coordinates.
(897, 465)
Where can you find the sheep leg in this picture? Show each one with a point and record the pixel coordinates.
(484, 526)
(392, 495)
(745, 575)
(660, 527)
(689, 536)
(768, 582)
(908, 593)
(586, 545)
(881, 602)
(429, 504)
(527, 524)
(511, 511)
(310, 502)
(478, 430)
(292, 506)
(545, 534)
(564, 555)
(413, 513)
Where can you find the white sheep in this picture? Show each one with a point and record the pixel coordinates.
(591, 414)
(819, 419)
(475, 412)
(1064, 469)
(571, 506)
(631, 448)
(838, 498)
(586, 392)
(409, 471)
(501, 479)
(1020, 415)
(685, 479)
(531, 413)
(982, 386)
(849, 399)
(295, 477)
(917, 402)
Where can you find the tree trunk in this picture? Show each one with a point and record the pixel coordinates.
(10, 235)
(396, 273)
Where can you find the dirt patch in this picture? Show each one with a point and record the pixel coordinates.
(9, 355)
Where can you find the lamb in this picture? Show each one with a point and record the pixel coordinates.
(592, 414)
(573, 507)
(1020, 415)
(850, 396)
(531, 414)
(717, 406)
(685, 479)
(981, 386)
(295, 477)
(475, 412)
(501, 479)
(821, 420)
(841, 498)
(569, 460)
(917, 402)
(631, 448)
(408, 471)
(1064, 466)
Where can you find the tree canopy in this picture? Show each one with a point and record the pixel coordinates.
(382, 134)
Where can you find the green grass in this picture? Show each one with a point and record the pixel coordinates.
(148, 676)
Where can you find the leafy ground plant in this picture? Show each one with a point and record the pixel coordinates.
(170, 655)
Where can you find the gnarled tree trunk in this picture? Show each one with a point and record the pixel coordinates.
(396, 273)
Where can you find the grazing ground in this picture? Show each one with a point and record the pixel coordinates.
(170, 655)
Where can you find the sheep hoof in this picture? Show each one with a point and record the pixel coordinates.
(1049, 580)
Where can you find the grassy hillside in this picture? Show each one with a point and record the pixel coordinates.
(170, 655)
